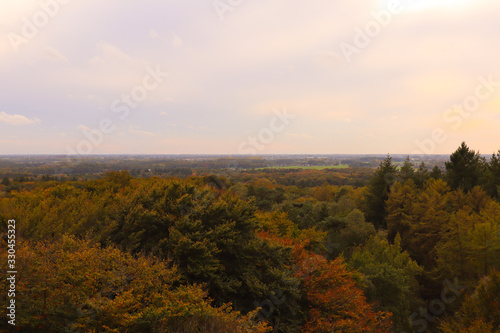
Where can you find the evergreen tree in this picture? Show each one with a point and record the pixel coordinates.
(493, 183)
(407, 171)
(422, 175)
(378, 191)
(465, 168)
(436, 173)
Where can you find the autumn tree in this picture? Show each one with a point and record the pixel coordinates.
(333, 298)
(429, 214)
(336, 303)
(470, 241)
(480, 311)
(400, 210)
(74, 285)
(208, 233)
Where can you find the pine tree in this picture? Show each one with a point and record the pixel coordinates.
(407, 170)
(465, 168)
(436, 173)
(493, 183)
(422, 175)
(379, 188)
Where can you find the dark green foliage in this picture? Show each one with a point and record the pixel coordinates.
(422, 175)
(493, 178)
(436, 173)
(6, 181)
(465, 168)
(407, 171)
(355, 231)
(390, 278)
(480, 311)
(266, 197)
(379, 188)
(212, 238)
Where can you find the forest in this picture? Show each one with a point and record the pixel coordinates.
(399, 246)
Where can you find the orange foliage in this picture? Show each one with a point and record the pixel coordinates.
(336, 304)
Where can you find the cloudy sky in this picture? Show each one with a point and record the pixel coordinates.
(205, 76)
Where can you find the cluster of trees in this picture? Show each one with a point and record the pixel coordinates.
(306, 178)
(449, 223)
(74, 285)
(205, 234)
(253, 253)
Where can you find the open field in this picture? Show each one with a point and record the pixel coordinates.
(310, 167)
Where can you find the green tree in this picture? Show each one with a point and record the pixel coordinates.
(421, 175)
(493, 184)
(356, 232)
(465, 169)
(480, 311)
(6, 181)
(212, 237)
(378, 191)
(436, 173)
(390, 278)
(407, 170)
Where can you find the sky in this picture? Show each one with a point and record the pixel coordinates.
(249, 77)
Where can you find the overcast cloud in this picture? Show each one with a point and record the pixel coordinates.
(230, 68)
